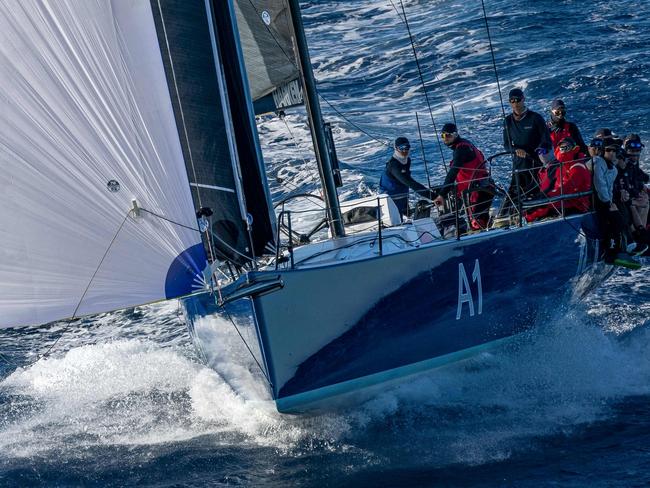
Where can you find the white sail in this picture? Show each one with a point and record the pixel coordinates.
(85, 107)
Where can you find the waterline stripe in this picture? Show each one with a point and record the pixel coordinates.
(310, 400)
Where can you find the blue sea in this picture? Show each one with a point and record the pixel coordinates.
(124, 399)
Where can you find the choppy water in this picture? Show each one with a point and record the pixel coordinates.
(123, 398)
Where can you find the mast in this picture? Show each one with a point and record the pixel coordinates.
(316, 123)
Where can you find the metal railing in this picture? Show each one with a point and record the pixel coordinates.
(458, 208)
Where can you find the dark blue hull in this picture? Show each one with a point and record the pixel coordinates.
(335, 329)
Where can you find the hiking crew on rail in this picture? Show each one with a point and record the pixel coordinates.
(549, 161)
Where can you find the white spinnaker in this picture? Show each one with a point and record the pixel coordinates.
(84, 100)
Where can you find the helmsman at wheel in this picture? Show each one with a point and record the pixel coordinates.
(469, 175)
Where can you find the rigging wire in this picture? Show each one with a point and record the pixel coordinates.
(435, 76)
(385, 142)
(424, 156)
(74, 314)
(494, 62)
(496, 75)
(424, 88)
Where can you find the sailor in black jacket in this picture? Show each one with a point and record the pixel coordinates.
(523, 132)
(397, 180)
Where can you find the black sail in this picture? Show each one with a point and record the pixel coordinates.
(266, 37)
(207, 82)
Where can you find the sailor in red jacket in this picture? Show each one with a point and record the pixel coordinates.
(468, 172)
(563, 175)
(576, 177)
(559, 128)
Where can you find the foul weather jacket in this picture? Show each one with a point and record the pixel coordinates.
(528, 133)
(604, 175)
(396, 181)
(466, 167)
(562, 129)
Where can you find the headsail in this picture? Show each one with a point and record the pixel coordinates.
(267, 43)
(89, 126)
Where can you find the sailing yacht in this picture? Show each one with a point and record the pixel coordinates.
(133, 173)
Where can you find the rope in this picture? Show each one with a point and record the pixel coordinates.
(101, 261)
(224, 243)
(283, 118)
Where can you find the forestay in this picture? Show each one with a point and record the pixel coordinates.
(87, 126)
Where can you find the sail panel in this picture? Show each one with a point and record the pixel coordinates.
(266, 37)
(87, 128)
(199, 98)
(259, 211)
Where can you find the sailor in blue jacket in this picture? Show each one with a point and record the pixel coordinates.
(397, 180)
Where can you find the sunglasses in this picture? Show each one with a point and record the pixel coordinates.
(560, 111)
(444, 135)
(633, 145)
(404, 147)
(596, 143)
(611, 149)
(566, 148)
(515, 99)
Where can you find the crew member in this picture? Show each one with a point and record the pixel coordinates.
(565, 175)
(523, 132)
(469, 172)
(559, 128)
(609, 218)
(639, 179)
(397, 180)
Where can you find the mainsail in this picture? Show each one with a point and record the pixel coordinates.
(267, 43)
(100, 122)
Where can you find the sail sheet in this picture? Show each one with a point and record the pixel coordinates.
(87, 127)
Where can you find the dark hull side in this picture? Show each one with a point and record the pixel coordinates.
(337, 329)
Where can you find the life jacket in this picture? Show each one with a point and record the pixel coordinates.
(473, 173)
(559, 133)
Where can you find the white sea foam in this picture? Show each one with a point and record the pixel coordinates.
(134, 392)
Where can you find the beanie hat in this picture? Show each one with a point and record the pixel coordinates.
(402, 142)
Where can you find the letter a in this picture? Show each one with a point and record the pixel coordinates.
(464, 292)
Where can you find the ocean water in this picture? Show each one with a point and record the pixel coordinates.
(124, 399)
